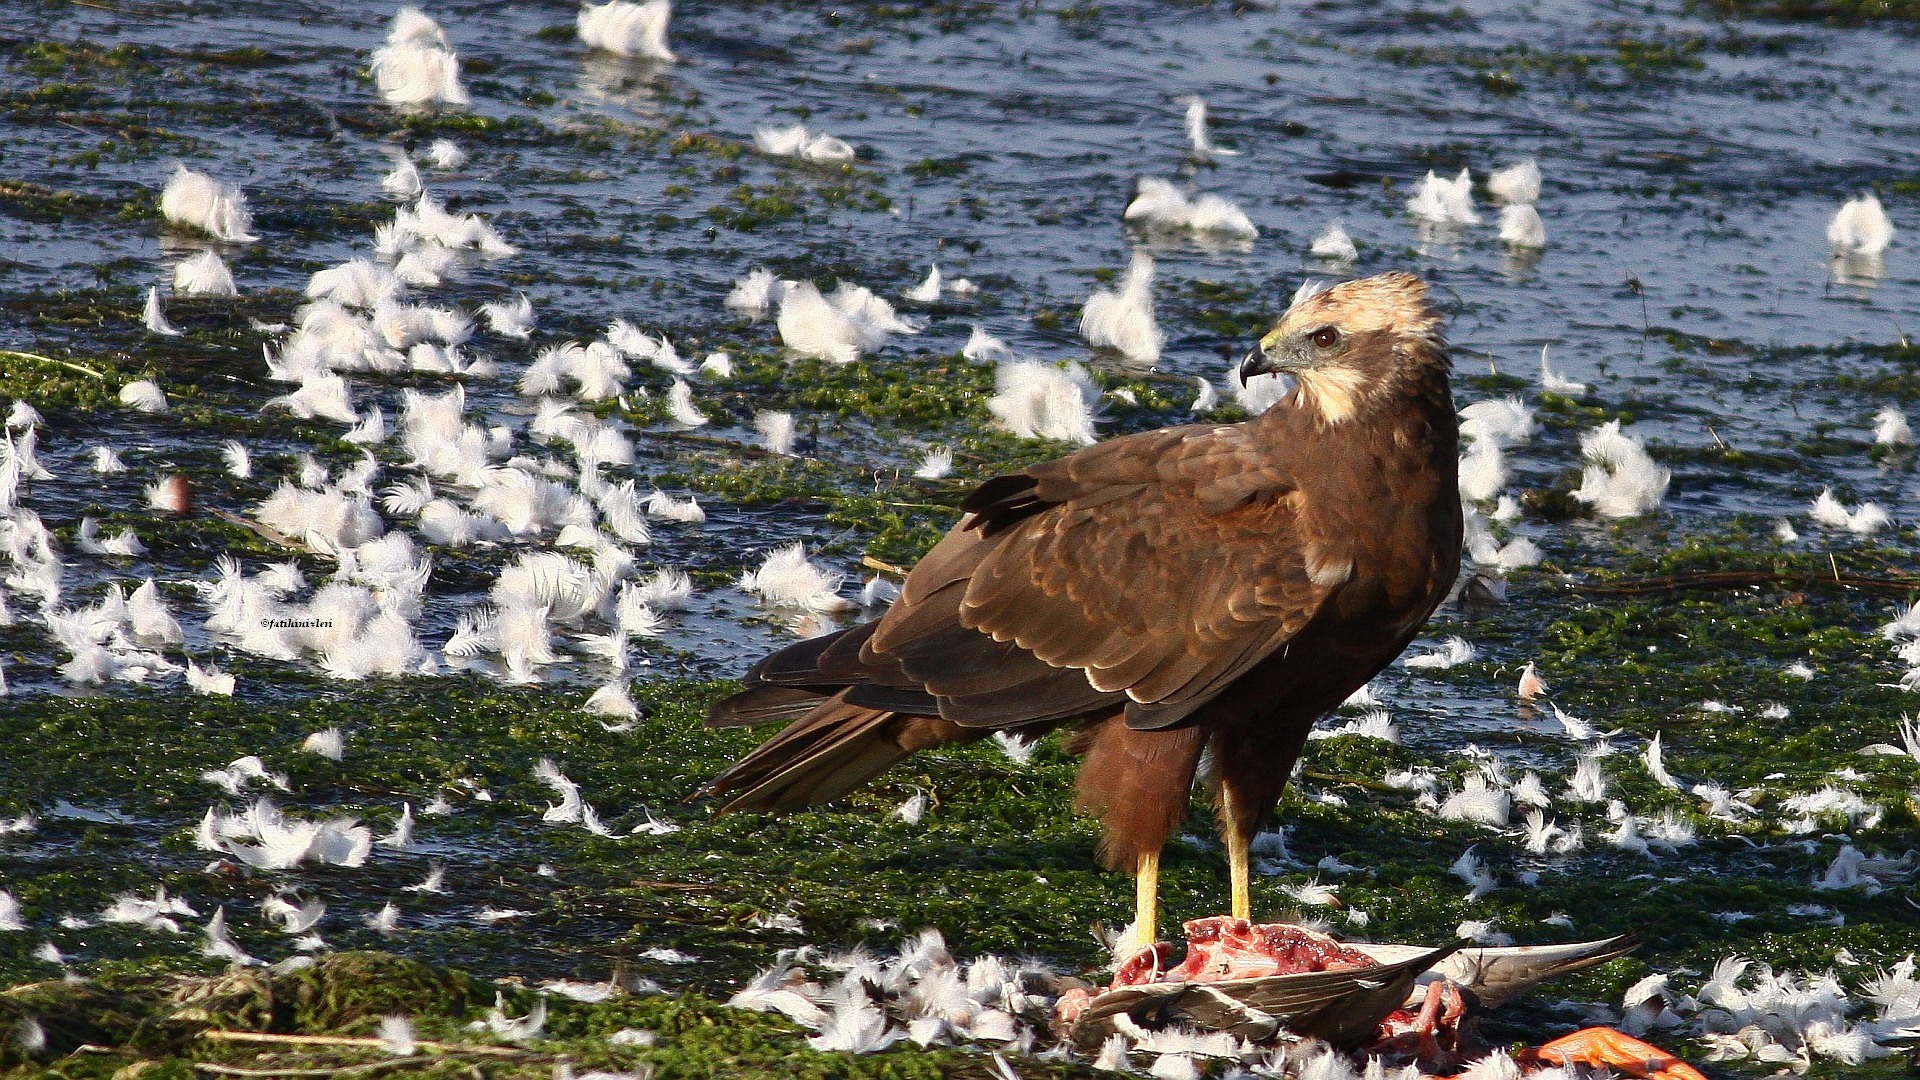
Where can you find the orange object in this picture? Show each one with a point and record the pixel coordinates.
(1614, 1050)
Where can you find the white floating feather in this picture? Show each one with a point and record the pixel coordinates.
(787, 579)
(1890, 428)
(205, 274)
(1451, 653)
(329, 743)
(1516, 184)
(928, 291)
(510, 318)
(776, 430)
(1554, 382)
(1045, 401)
(1159, 204)
(1620, 479)
(680, 406)
(155, 317)
(1521, 227)
(214, 207)
(1123, 318)
(628, 29)
(797, 141)
(1861, 227)
(1864, 520)
(144, 395)
(1198, 141)
(757, 293)
(935, 464)
(1334, 244)
(1444, 202)
(416, 66)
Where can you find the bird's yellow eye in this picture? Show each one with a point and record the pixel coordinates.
(1325, 338)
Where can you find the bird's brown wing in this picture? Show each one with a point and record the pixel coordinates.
(1152, 570)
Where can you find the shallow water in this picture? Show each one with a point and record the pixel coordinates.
(1691, 166)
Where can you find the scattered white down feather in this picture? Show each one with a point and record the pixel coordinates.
(1198, 141)
(1483, 470)
(1472, 870)
(1159, 204)
(787, 579)
(242, 772)
(1521, 227)
(776, 430)
(154, 317)
(396, 1036)
(1861, 227)
(928, 291)
(510, 318)
(1335, 244)
(1517, 184)
(215, 207)
(321, 394)
(1450, 653)
(613, 700)
(205, 274)
(1589, 781)
(144, 395)
(106, 461)
(1444, 202)
(1890, 428)
(982, 347)
(1655, 758)
(935, 464)
(756, 294)
(628, 29)
(384, 921)
(1506, 421)
(1205, 397)
(154, 914)
(403, 180)
(686, 511)
(1620, 479)
(812, 325)
(1554, 382)
(122, 543)
(265, 838)
(1045, 401)
(417, 66)
(797, 141)
(445, 154)
(1864, 520)
(1479, 803)
(1123, 318)
(430, 222)
(1374, 724)
(680, 407)
(209, 680)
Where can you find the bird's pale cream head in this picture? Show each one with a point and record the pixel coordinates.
(1346, 343)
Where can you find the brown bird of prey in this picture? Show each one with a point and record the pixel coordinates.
(1197, 593)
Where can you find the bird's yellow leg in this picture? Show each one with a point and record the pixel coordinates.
(1146, 900)
(1237, 842)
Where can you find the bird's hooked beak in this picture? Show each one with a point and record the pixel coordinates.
(1270, 358)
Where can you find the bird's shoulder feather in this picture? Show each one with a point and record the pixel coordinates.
(1153, 568)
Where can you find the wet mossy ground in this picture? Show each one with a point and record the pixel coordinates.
(997, 864)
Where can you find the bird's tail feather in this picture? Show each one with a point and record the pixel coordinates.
(835, 748)
(762, 705)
